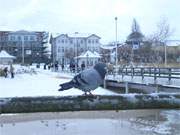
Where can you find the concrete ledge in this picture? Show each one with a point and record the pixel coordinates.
(98, 102)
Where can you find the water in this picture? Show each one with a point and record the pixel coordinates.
(131, 122)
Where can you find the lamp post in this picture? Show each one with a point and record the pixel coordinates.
(87, 61)
(165, 54)
(22, 38)
(116, 43)
(76, 52)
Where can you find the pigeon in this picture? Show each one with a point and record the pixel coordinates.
(87, 80)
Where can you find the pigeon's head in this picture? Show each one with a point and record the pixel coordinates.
(101, 68)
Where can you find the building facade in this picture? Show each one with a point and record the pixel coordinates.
(26, 46)
(66, 47)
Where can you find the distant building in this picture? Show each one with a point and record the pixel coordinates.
(5, 58)
(14, 42)
(135, 38)
(65, 47)
(88, 58)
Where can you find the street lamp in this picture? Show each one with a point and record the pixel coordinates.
(22, 37)
(87, 61)
(76, 52)
(165, 54)
(116, 43)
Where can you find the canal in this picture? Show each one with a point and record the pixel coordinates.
(127, 122)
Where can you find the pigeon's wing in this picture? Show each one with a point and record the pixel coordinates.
(92, 78)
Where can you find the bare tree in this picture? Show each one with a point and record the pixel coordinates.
(162, 32)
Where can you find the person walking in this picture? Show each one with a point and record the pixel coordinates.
(62, 66)
(12, 71)
(82, 66)
(5, 72)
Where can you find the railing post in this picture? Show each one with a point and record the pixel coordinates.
(142, 73)
(126, 88)
(126, 72)
(132, 73)
(169, 75)
(155, 77)
(122, 74)
(150, 71)
(159, 72)
(105, 82)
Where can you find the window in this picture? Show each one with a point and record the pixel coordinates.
(19, 38)
(89, 41)
(81, 41)
(59, 49)
(32, 38)
(62, 40)
(71, 41)
(12, 38)
(96, 40)
(25, 38)
(62, 49)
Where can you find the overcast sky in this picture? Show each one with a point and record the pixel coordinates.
(89, 16)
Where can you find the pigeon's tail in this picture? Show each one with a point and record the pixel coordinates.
(66, 86)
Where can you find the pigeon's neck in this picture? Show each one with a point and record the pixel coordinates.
(102, 72)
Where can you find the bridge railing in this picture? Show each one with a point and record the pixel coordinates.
(169, 73)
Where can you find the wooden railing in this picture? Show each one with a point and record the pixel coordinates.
(169, 73)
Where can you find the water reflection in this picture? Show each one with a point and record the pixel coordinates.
(134, 122)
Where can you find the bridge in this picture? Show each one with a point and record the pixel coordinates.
(146, 80)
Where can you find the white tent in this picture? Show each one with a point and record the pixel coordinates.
(89, 58)
(6, 58)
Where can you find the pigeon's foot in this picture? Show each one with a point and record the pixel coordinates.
(88, 94)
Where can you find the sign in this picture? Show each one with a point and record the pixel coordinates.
(28, 52)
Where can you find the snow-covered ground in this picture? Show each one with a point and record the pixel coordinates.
(46, 83)
(43, 83)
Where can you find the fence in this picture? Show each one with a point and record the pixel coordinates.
(169, 73)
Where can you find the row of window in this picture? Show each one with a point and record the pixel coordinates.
(20, 38)
(90, 41)
(62, 49)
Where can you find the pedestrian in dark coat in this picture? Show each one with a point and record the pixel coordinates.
(12, 71)
(5, 72)
(62, 67)
(82, 66)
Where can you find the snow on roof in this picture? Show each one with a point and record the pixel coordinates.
(108, 47)
(89, 54)
(55, 34)
(74, 35)
(4, 54)
(22, 32)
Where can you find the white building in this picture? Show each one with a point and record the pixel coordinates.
(6, 58)
(65, 47)
(89, 58)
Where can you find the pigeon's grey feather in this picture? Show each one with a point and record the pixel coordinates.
(88, 79)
